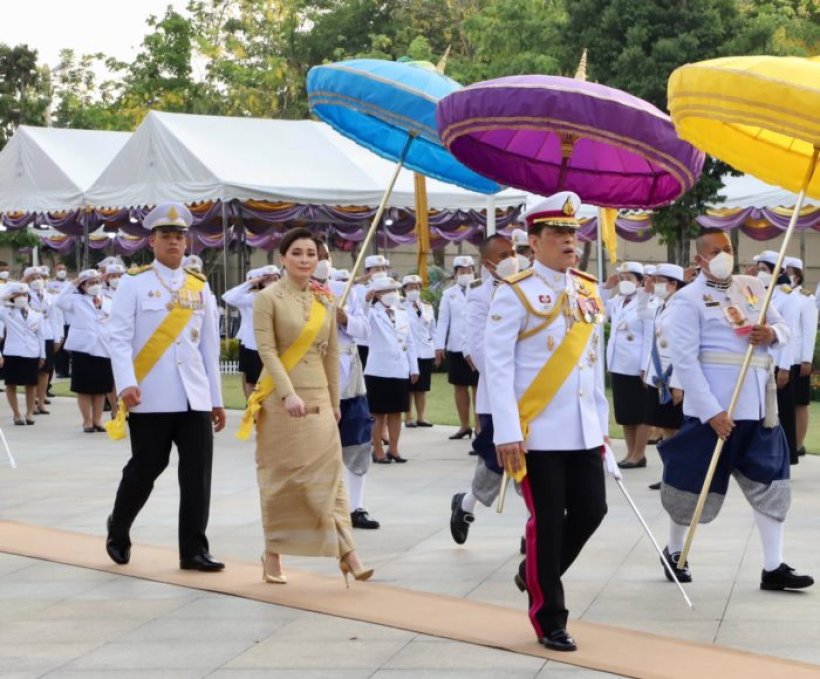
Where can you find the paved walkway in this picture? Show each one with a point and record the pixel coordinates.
(59, 621)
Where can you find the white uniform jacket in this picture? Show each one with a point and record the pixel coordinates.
(52, 329)
(577, 418)
(625, 348)
(392, 351)
(478, 309)
(422, 318)
(788, 306)
(698, 324)
(89, 330)
(358, 306)
(805, 334)
(659, 330)
(451, 319)
(188, 371)
(357, 328)
(242, 297)
(24, 334)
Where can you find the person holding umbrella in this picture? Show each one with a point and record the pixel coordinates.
(422, 318)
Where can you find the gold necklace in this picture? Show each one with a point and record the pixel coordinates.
(174, 293)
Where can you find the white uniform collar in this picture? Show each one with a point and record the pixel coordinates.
(167, 273)
(555, 279)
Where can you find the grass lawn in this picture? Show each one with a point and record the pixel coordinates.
(442, 410)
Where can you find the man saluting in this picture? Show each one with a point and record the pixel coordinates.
(165, 357)
(547, 399)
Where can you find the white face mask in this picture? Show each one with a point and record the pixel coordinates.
(113, 283)
(93, 290)
(4, 275)
(662, 290)
(507, 267)
(523, 262)
(378, 274)
(764, 277)
(20, 302)
(61, 275)
(464, 279)
(721, 265)
(322, 271)
(390, 299)
(627, 288)
(413, 295)
(36, 285)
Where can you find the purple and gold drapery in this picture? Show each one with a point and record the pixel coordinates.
(760, 223)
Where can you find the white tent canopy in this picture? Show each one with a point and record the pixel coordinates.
(746, 191)
(191, 158)
(48, 168)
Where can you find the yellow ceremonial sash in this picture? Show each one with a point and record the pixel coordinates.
(289, 357)
(549, 380)
(153, 349)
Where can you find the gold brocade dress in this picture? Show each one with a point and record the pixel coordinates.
(299, 459)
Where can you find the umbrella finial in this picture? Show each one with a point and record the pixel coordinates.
(581, 73)
(442, 63)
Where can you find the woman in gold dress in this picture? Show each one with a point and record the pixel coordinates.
(298, 450)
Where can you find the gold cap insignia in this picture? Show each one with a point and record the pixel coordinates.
(569, 208)
(174, 215)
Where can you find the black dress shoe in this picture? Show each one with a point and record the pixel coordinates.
(459, 519)
(200, 562)
(461, 433)
(361, 519)
(520, 582)
(559, 640)
(623, 464)
(784, 577)
(655, 486)
(523, 548)
(423, 423)
(682, 574)
(801, 451)
(120, 552)
(410, 425)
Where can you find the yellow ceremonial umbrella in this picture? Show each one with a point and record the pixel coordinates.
(762, 116)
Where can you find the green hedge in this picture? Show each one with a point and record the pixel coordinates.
(229, 350)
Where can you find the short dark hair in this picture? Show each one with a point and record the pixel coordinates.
(703, 234)
(486, 242)
(291, 236)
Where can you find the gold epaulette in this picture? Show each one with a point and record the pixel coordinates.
(806, 292)
(134, 270)
(196, 274)
(476, 283)
(785, 288)
(518, 277)
(583, 274)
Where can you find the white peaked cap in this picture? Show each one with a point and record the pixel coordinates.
(793, 262)
(767, 257)
(631, 267)
(410, 279)
(672, 271)
(384, 284)
(463, 260)
(560, 209)
(372, 261)
(170, 214)
(340, 275)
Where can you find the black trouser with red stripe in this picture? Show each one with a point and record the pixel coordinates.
(565, 494)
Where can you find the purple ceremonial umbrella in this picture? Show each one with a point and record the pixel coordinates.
(546, 134)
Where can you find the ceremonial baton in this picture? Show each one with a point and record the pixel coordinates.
(654, 542)
(505, 480)
(8, 450)
(747, 359)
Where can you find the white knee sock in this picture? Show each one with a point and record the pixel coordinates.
(677, 534)
(771, 535)
(468, 502)
(355, 490)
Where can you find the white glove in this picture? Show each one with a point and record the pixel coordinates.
(610, 464)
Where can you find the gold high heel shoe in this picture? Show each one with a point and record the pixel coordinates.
(267, 577)
(361, 576)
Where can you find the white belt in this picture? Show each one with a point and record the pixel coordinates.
(763, 361)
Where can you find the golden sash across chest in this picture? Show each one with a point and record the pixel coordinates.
(154, 348)
(290, 357)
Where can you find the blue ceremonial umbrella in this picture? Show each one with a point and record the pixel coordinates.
(389, 107)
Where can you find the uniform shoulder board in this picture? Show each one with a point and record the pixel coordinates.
(518, 277)
(806, 292)
(196, 274)
(134, 270)
(583, 274)
(787, 289)
(476, 283)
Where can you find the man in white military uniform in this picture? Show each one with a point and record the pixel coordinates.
(499, 260)
(523, 251)
(804, 337)
(375, 266)
(165, 359)
(713, 320)
(548, 406)
(450, 336)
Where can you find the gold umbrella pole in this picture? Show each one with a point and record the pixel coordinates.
(710, 473)
(422, 227)
(375, 223)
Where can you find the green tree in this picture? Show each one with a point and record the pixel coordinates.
(23, 90)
